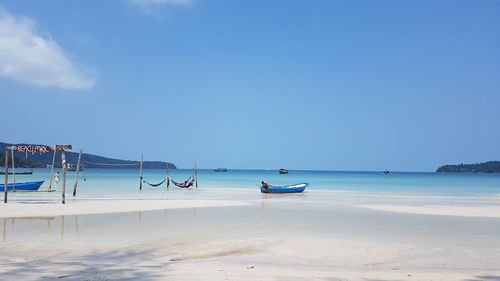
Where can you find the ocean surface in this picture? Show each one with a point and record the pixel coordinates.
(95, 182)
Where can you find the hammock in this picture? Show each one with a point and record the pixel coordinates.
(185, 184)
(155, 184)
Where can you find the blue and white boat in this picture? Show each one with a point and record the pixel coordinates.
(294, 188)
(22, 186)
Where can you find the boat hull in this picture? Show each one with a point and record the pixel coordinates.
(296, 188)
(23, 186)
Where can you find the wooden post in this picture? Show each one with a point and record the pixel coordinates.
(52, 169)
(140, 175)
(13, 171)
(196, 173)
(168, 175)
(77, 170)
(6, 174)
(63, 160)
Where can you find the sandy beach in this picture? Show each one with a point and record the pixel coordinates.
(95, 206)
(315, 236)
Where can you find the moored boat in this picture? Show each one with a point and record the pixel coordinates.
(294, 188)
(22, 186)
(72, 168)
(283, 171)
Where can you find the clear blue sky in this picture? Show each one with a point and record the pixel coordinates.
(339, 85)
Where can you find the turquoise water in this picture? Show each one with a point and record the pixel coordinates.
(126, 181)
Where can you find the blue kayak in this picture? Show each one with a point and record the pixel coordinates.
(294, 188)
(22, 186)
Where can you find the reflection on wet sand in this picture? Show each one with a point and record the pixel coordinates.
(62, 228)
(13, 232)
(4, 230)
(77, 228)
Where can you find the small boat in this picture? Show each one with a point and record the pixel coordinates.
(220, 170)
(23, 186)
(72, 168)
(294, 188)
(283, 171)
(386, 172)
(30, 172)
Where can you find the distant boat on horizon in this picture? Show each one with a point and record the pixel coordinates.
(386, 172)
(283, 171)
(220, 170)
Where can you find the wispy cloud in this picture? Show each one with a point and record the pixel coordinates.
(149, 5)
(28, 57)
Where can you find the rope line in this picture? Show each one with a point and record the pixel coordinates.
(110, 164)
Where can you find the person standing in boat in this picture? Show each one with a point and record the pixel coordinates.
(56, 177)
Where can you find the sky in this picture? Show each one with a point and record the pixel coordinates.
(402, 85)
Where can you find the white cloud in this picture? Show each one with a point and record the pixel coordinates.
(28, 57)
(149, 5)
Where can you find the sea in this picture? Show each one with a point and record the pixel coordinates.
(97, 182)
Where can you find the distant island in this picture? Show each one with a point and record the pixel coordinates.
(38, 160)
(486, 167)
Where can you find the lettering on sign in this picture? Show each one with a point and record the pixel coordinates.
(64, 146)
(39, 148)
(31, 148)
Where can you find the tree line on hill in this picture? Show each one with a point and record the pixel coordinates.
(20, 162)
(486, 167)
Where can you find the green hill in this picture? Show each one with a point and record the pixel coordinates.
(20, 162)
(486, 167)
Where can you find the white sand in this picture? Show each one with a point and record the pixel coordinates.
(86, 207)
(367, 245)
(250, 259)
(442, 210)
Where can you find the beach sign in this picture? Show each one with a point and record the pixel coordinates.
(40, 148)
(34, 149)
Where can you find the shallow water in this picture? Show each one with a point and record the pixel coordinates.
(126, 181)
